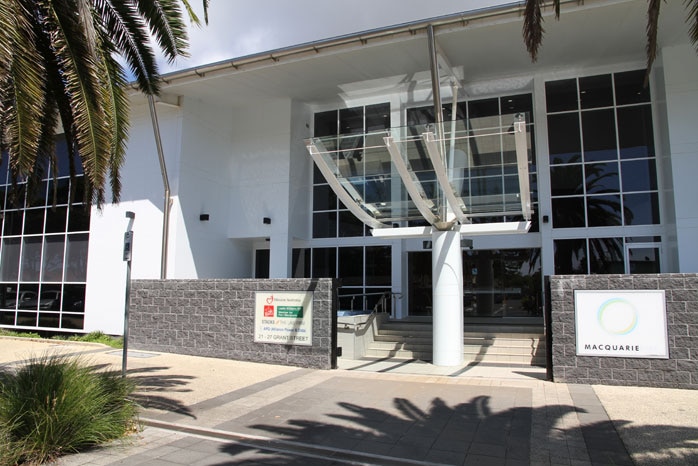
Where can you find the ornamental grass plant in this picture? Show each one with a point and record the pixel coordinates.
(53, 405)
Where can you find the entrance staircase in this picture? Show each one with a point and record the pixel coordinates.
(495, 344)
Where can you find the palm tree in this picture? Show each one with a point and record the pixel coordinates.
(533, 25)
(59, 69)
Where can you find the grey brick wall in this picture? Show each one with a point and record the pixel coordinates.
(215, 318)
(679, 371)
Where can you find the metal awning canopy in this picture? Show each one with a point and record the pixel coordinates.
(408, 174)
(451, 175)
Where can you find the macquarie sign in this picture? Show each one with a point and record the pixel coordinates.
(624, 324)
(284, 317)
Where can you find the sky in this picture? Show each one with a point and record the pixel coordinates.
(243, 27)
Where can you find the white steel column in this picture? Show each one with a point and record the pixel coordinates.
(447, 279)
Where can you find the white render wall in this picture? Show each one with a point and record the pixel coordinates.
(142, 193)
(681, 81)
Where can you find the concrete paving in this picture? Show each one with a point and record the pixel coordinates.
(203, 411)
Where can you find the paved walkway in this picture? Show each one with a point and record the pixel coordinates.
(202, 411)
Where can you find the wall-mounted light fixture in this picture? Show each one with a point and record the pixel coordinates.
(203, 217)
(546, 219)
(266, 221)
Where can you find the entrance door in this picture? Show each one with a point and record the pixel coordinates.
(497, 283)
(419, 295)
(642, 258)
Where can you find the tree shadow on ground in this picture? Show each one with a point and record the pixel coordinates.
(152, 388)
(440, 433)
(474, 431)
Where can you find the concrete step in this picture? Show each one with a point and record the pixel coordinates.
(523, 344)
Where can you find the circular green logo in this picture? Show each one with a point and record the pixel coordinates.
(617, 316)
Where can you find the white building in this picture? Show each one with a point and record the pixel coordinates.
(612, 169)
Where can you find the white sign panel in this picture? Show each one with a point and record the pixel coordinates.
(284, 317)
(624, 324)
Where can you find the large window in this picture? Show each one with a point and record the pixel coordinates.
(582, 256)
(602, 155)
(364, 272)
(43, 249)
(331, 219)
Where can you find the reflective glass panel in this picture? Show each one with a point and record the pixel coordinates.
(261, 263)
(599, 128)
(644, 260)
(324, 198)
(564, 139)
(325, 124)
(606, 255)
(568, 212)
(349, 225)
(62, 188)
(324, 263)
(351, 266)
(73, 298)
(639, 175)
(596, 91)
(635, 134)
(351, 120)
(378, 266)
(52, 270)
(76, 258)
(377, 117)
(566, 180)
(630, 87)
(641, 209)
(79, 218)
(72, 321)
(31, 259)
(570, 256)
(561, 95)
(604, 211)
(9, 267)
(325, 225)
(34, 221)
(301, 263)
(602, 177)
(49, 319)
(55, 220)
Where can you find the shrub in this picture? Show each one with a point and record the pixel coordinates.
(56, 404)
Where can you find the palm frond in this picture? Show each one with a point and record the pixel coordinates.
(81, 75)
(652, 26)
(164, 18)
(533, 27)
(692, 20)
(129, 34)
(116, 107)
(25, 80)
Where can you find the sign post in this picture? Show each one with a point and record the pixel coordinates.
(128, 248)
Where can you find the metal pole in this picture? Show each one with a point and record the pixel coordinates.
(166, 183)
(438, 112)
(128, 249)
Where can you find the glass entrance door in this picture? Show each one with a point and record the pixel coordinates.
(642, 258)
(497, 283)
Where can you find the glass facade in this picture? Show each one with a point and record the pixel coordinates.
(602, 154)
(603, 170)
(331, 219)
(364, 272)
(43, 249)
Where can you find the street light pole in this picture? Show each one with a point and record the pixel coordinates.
(128, 248)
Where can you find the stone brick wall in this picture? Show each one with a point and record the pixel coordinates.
(679, 371)
(215, 318)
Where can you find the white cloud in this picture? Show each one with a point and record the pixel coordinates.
(242, 27)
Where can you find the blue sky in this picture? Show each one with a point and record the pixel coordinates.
(243, 27)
